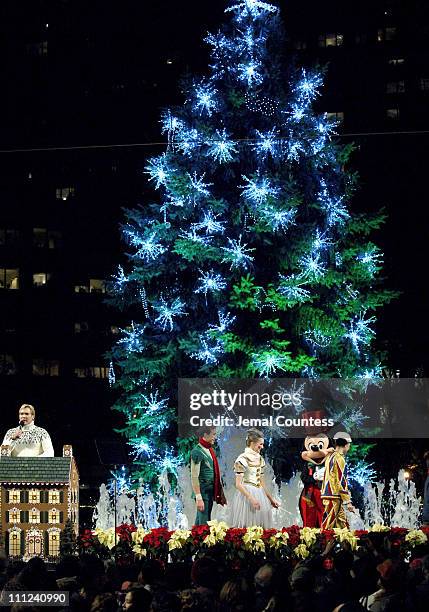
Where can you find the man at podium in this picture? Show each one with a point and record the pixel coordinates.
(28, 440)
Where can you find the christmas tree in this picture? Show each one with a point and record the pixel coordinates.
(249, 262)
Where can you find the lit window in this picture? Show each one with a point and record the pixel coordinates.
(396, 61)
(54, 542)
(14, 542)
(392, 113)
(9, 278)
(46, 367)
(81, 289)
(34, 496)
(333, 39)
(41, 279)
(14, 496)
(424, 84)
(394, 87)
(34, 516)
(96, 285)
(114, 330)
(64, 193)
(54, 496)
(81, 327)
(54, 516)
(7, 365)
(14, 515)
(92, 372)
(385, 34)
(336, 116)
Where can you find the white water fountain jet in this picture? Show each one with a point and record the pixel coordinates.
(103, 516)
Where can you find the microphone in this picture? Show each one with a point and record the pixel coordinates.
(21, 424)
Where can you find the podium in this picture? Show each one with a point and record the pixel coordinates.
(37, 496)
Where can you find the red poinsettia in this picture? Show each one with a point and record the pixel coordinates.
(86, 539)
(199, 532)
(124, 532)
(157, 537)
(235, 536)
(268, 533)
(294, 535)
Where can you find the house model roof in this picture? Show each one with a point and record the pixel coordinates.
(35, 470)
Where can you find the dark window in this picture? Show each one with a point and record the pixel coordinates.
(395, 87)
(385, 34)
(7, 365)
(46, 367)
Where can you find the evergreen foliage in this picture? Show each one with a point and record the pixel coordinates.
(248, 262)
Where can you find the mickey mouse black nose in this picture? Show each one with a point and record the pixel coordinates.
(314, 447)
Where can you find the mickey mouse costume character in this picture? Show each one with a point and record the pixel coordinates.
(310, 505)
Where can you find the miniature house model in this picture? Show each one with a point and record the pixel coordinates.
(37, 496)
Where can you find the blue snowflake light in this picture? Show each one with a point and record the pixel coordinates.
(197, 186)
(237, 254)
(251, 8)
(258, 190)
(320, 241)
(188, 140)
(194, 237)
(205, 99)
(169, 462)
(307, 86)
(158, 170)
(152, 402)
(336, 212)
(120, 279)
(268, 362)
(372, 259)
(351, 418)
(225, 321)
(141, 449)
(250, 41)
(147, 247)
(250, 73)
(362, 473)
(210, 281)
(360, 332)
(167, 312)
(132, 338)
(210, 224)
(298, 111)
(280, 219)
(170, 124)
(207, 353)
(267, 143)
(294, 149)
(112, 375)
(312, 266)
(221, 148)
(291, 288)
(370, 376)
